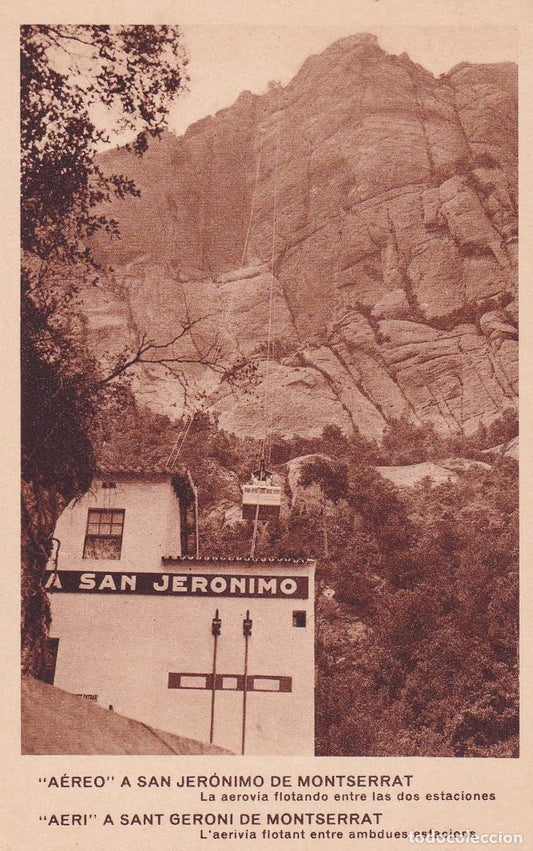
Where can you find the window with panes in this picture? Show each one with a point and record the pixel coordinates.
(103, 538)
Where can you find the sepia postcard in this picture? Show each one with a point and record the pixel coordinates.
(268, 582)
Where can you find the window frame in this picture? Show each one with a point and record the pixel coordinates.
(299, 618)
(91, 536)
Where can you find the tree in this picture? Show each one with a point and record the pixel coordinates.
(332, 479)
(67, 73)
(71, 75)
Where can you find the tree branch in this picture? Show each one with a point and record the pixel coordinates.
(61, 34)
(146, 348)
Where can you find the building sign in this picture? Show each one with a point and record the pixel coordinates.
(185, 585)
(230, 682)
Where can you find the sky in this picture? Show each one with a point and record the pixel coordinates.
(226, 59)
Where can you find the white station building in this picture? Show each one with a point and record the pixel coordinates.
(215, 649)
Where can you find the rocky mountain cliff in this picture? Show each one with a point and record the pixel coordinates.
(394, 292)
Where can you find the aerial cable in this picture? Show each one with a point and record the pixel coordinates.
(254, 198)
(261, 498)
(268, 394)
(179, 443)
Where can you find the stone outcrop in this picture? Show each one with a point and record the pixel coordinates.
(435, 472)
(56, 722)
(394, 286)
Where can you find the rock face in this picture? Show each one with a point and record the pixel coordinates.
(394, 196)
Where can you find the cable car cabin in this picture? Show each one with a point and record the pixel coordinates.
(266, 497)
(261, 494)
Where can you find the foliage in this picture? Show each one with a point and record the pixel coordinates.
(332, 441)
(330, 477)
(437, 665)
(405, 443)
(68, 73)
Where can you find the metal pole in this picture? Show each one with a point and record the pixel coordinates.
(247, 631)
(254, 536)
(215, 630)
(197, 535)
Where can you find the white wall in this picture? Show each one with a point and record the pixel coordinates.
(122, 647)
(151, 525)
